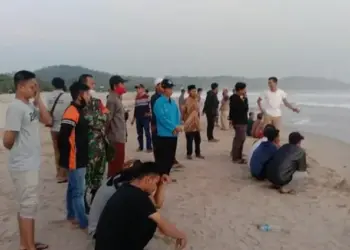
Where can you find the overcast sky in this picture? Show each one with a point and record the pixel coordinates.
(179, 37)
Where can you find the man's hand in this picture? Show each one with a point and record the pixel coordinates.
(231, 124)
(181, 243)
(165, 179)
(37, 94)
(177, 130)
(132, 121)
(296, 110)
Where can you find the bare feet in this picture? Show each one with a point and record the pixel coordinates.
(200, 157)
(283, 190)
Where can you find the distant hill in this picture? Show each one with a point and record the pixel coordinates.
(7, 86)
(71, 73)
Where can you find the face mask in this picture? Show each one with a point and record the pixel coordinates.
(120, 90)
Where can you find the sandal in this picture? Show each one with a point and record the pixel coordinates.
(240, 161)
(62, 181)
(39, 246)
(290, 191)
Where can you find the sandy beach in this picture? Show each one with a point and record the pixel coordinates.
(214, 201)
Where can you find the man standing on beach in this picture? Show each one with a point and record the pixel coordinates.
(22, 138)
(270, 103)
(210, 109)
(116, 126)
(142, 116)
(168, 127)
(57, 102)
(239, 119)
(158, 93)
(191, 118)
(74, 152)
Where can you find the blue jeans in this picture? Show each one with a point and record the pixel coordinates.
(75, 197)
(143, 124)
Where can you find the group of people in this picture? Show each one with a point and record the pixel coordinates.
(123, 211)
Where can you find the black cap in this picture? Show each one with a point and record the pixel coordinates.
(116, 79)
(167, 84)
(190, 87)
(295, 138)
(137, 86)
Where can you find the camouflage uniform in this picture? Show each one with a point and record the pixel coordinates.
(97, 144)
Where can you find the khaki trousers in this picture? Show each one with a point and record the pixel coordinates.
(274, 120)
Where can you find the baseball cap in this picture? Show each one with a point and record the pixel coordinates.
(139, 86)
(158, 80)
(167, 84)
(116, 79)
(295, 138)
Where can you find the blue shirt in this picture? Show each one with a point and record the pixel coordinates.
(167, 116)
(260, 157)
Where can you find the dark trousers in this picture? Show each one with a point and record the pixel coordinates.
(210, 126)
(165, 153)
(238, 141)
(196, 137)
(154, 144)
(143, 125)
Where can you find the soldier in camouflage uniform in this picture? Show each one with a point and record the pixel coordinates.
(96, 115)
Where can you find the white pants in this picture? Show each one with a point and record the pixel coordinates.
(26, 187)
(298, 181)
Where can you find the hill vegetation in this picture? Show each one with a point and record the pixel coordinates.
(71, 73)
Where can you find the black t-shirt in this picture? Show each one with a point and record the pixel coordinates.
(124, 223)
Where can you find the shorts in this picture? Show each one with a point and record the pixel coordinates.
(26, 187)
(274, 120)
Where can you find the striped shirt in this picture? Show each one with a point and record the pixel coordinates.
(142, 106)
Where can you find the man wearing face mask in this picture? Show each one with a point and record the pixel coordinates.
(116, 127)
(73, 148)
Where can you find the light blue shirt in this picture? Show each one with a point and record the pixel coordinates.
(167, 116)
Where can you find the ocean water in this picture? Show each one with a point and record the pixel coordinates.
(324, 113)
(321, 112)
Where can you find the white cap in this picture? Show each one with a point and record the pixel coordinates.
(158, 80)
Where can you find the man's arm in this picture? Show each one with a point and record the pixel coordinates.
(14, 116)
(44, 115)
(259, 104)
(68, 123)
(233, 106)
(290, 106)
(168, 229)
(301, 162)
(159, 195)
(112, 109)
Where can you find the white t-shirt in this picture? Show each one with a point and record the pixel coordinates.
(61, 106)
(255, 146)
(272, 102)
(23, 118)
